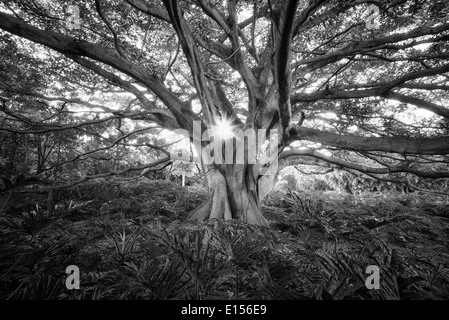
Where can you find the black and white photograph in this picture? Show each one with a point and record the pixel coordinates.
(224, 155)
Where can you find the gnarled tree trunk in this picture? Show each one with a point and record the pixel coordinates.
(233, 195)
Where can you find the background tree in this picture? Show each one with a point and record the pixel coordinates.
(312, 69)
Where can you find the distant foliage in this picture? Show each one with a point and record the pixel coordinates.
(337, 180)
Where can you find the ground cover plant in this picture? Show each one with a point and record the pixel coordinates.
(134, 244)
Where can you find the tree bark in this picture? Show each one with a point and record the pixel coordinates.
(233, 195)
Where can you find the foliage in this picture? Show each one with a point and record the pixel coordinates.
(302, 178)
(318, 247)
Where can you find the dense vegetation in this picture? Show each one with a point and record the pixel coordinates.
(129, 242)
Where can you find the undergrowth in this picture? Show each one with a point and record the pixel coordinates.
(130, 242)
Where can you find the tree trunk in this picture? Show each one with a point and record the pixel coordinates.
(233, 195)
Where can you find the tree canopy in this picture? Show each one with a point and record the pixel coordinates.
(370, 101)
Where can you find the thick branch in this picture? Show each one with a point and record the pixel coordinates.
(150, 9)
(188, 45)
(346, 164)
(381, 89)
(282, 58)
(435, 108)
(403, 145)
(254, 94)
(110, 27)
(72, 46)
(373, 45)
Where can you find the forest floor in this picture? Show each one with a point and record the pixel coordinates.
(128, 241)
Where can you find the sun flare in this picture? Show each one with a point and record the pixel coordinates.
(223, 129)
